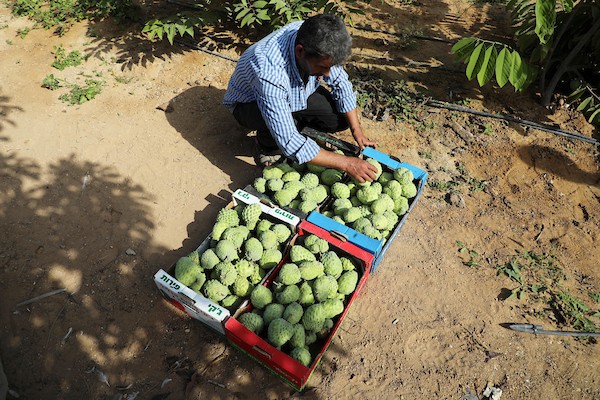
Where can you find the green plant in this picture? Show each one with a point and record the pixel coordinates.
(50, 82)
(60, 14)
(425, 154)
(571, 310)
(379, 99)
(511, 269)
(539, 279)
(23, 32)
(181, 24)
(487, 129)
(556, 41)
(442, 186)
(63, 60)
(81, 94)
(245, 13)
(473, 260)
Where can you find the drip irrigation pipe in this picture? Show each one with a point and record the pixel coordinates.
(420, 37)
(195, 46)
(530, 124)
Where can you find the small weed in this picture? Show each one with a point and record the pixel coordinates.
(460, 167)
(81, 94)
(463, 102)
(442, 186)
(473, 260)
(487, 129)
(23, 32)
(50, 82)
(570, 150)
(595, 296)
(571, 310)
(539, 277)
(63, 60)
(9, 42)
(380, 99)
(511, 269)
(476, 185)
(425, 154)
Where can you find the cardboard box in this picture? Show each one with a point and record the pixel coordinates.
(276, 361)
(376, 247)
(197, 306)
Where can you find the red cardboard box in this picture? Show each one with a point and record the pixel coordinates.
(280, 363)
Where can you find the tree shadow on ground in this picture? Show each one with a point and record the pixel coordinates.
(547, 159)
(133, 48)
(82, 227)
(5, 110)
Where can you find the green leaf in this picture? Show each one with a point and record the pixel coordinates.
(518, 75)
(576, 94)
(171, 33)
(247, 20)
(503, 66)
(567, 5)
(159, 32)
(242, 13)
(260, 4)
(595, 115)
(463, 48)
(545, 19)
(584, 104)
(475, 61)
(487, 67)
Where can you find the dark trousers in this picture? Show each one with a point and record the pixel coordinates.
(321, 114)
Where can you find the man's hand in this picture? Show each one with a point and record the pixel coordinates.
(355, 167)
(361, 170)
(362, 140)
(356, 129)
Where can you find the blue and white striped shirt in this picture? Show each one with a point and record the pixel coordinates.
(267, 73)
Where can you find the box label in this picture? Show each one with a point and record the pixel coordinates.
(192, 303)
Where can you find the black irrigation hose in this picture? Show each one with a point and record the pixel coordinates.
(420, 37)
(530, 124)
(195, 46)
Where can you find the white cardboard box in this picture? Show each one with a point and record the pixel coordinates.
(196, 305)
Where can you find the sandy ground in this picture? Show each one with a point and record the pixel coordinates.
(97, 197)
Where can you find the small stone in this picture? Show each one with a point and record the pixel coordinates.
(130, 252)
(456, 200)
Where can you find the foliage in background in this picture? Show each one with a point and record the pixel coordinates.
(60, 14)
(557, 43)
(271, 14)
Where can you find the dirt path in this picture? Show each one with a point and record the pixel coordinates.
(97, 197)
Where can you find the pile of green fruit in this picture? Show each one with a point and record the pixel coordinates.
(373, 208)
(299, 186)
(309, 291)
(243, 248)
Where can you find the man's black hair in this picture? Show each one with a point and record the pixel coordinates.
(325, 35)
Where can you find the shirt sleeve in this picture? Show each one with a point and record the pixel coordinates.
(341, 89)
(272, 100)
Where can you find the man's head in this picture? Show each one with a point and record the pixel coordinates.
(322, 42)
